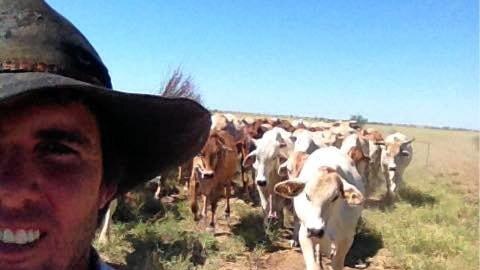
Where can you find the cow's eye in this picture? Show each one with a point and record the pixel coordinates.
(335, 198)
(308, 197)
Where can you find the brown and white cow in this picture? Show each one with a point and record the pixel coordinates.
(328, 198)
(212, 173)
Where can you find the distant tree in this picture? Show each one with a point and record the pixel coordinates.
(180, 86)
(361, 121)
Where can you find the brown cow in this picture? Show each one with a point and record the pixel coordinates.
(212, 173)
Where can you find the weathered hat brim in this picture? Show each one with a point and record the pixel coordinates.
(150, 133)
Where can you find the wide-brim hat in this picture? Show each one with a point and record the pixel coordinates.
(42, 53)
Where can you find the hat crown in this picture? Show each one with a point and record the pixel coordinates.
(35, 38)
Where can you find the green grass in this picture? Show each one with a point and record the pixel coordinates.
(429, 227)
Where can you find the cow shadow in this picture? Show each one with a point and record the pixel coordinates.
(416, 197)
(384, 203)
(250, 197)
(252, 230)
(410, 195)
(366, 244)
(152, 252)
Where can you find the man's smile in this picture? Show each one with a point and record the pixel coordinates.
(19, 236)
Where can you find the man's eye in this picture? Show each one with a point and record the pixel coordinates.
(54, 148)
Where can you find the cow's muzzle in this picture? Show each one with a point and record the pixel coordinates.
(317, 233)
(204, 175)
(262, 183)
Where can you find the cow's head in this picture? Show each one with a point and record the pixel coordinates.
(292, 167)
(319, 198)
(375, 141)
(393, 154)
(206, 162)
(270, 151)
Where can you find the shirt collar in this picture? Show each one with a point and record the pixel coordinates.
(96, 262)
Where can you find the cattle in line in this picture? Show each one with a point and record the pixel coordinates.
(271, 151)
(396, 156)
(328, 198)
(212, 173)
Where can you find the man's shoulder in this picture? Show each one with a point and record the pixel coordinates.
(96, 263)
(103, 266)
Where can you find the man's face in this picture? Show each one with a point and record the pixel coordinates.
(50, 186)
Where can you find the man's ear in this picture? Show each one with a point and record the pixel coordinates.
(107, 193)
(289, 188)
(351, 194)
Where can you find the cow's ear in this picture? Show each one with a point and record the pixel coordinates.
(407, 142)
(281, 141)
(265, 127)
(289, 188)
(239, 146)
(351, 194)
(249, 159)
(326, 169)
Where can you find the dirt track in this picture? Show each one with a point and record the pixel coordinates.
(286, 258)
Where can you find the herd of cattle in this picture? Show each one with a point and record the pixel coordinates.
(327, 169)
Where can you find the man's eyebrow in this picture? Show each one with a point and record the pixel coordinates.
(58, 134)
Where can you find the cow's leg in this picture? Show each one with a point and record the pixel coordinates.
(280, 205)
(214, 208)
(342, 247)
(263, 199)
(203, 213)
(244, 178)
(105, 233)
(158, 192)
(228, 188)
(179, 177)
(308, 249)
(388, 182)
(296, 227)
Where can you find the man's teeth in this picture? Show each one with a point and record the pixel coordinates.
(19, 237)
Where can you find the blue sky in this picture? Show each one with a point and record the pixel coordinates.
(391, 61)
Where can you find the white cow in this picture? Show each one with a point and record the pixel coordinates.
(271, 150)
(328, 198)
(396, 155)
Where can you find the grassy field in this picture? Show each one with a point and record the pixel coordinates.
(433, 225)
